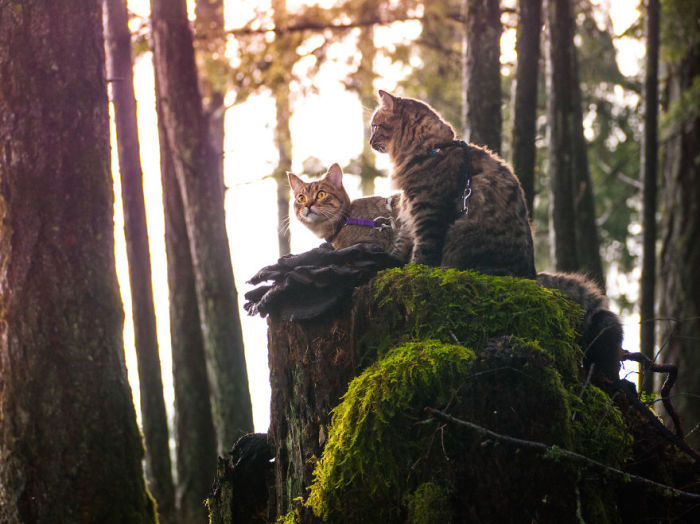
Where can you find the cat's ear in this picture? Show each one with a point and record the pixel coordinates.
(386, 99)
(335, 176)
(295, 182)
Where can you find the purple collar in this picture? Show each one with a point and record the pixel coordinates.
(354, 222)
(360, 222)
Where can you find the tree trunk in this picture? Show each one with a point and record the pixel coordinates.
(213, 68)
(649, 167)
(196, 169)
(562, 219)
(286, 55)
(155, 421)
(363, 80)
(679, 275)
(572, 226)
(283, 140)
(71, 449)
(482, 74)
(525, 99)
(195, 437)
(590, 261)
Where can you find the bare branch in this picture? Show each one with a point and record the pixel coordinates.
(556, 451)
(308, 25)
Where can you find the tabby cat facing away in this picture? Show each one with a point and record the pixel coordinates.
(326, 209)
(461, 206)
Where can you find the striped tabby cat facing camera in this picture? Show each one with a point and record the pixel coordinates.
(326, 209)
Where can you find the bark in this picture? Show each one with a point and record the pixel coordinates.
(283, 140)
(573, 230)
(210, 51)
(195, 437)
(70, 449)
(155, 422)
(679, 271)
(525, 100)
(363, 79)
(283, 135)
(180, 109)
(301, 353)
(482, 74)
(562, 220)
(649, 167)
(590, 261)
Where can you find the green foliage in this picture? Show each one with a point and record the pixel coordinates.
(679, 28)
(438, 78)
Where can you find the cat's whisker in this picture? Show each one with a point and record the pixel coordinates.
(285, 225)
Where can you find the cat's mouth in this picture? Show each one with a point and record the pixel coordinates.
(310, 215)
(379, 147)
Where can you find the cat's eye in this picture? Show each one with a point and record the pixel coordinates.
(374, 128)
(321, 194)
(301, 199)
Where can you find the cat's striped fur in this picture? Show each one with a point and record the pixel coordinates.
(494, 237)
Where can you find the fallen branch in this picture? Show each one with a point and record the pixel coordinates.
(556, 451)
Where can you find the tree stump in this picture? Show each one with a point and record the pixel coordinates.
(354, 440)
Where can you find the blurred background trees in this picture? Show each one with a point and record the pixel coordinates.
(564, 110)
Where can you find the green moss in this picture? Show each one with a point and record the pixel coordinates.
(291, 517)
(421, 302)
(429, 504)
(368, 450)
(599, 429)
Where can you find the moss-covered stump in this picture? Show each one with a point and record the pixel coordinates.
(353, 441)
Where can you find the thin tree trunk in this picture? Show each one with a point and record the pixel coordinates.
(283, 135)
(195, 437)
(155, 421)
(559, 54)
(70, 446)
(590, 261)
(573, 229)
(649, 167)
(195, 167)
(525, 99)
(679, 271)
(482, 74)
(283, 140)
(213, 67)
(364, 80)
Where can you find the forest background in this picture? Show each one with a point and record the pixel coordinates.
(290, 86)
(327, 124)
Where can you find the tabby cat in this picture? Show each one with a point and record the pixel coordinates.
(461, 206)
(326, 209)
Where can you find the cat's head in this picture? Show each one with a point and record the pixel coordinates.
(404, 125)
(321, 205)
